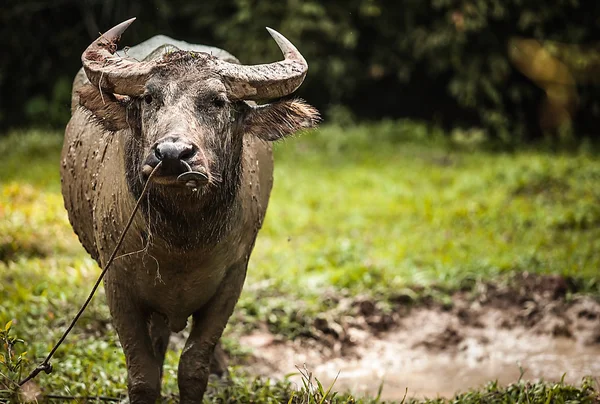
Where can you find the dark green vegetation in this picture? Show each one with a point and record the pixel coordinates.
(383, 210)
(447, 60)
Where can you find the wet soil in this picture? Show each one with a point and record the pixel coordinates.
(532, 329)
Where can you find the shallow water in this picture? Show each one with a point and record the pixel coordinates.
(431, 353)
(424, 373)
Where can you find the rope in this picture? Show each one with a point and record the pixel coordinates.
(45, 365)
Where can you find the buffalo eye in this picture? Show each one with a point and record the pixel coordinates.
(219, 101)
(148, 99)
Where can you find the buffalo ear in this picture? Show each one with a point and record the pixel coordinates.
(282, 118)
(109, 111)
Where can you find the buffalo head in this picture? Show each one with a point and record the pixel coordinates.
(189, 110)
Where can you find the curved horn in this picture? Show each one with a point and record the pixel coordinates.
(260, 82)
(111, 72)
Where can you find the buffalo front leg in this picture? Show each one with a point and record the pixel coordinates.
(207, 327)
(159, 335)
(143, 367)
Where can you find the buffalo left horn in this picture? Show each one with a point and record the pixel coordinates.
(266, 81)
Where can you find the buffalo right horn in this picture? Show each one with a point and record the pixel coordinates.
(109, 71)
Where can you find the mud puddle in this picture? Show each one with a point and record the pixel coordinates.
(533, 333)
(403, 359)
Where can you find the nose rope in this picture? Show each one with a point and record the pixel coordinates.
(193, 179)
(45, 365)
(185, 163)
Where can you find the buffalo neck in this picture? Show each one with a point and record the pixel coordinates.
(185, 220)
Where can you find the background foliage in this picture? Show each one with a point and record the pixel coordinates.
(452, 61)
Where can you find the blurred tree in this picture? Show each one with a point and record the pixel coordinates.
(443, 60)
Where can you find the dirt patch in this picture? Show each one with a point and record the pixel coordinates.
(529, 329)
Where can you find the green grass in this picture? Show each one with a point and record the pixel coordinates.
(382, 210)
(363, 211)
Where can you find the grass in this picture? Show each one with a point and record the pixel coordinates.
(379, 210)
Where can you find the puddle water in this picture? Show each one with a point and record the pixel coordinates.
(431, 374)
(431, 354)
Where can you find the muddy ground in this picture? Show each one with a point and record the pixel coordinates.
(535, 328)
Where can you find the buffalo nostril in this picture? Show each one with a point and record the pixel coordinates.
(174, 151)
(187, 153)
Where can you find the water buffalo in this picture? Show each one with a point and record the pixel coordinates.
(191, 109)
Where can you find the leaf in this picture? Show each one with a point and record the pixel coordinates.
(7, 326)
(323, 399)
(2, 359)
